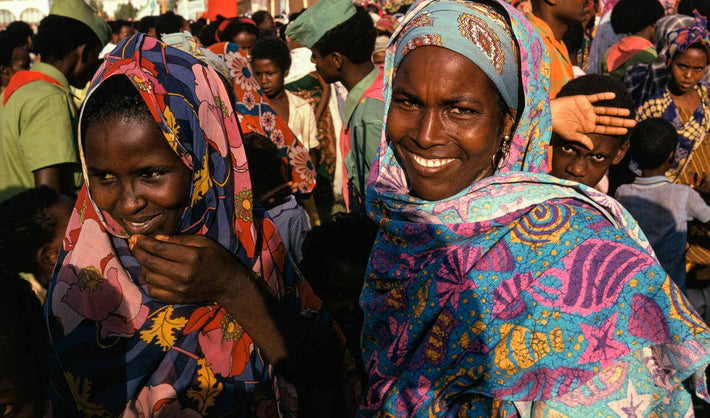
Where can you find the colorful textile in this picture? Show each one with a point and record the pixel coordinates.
(559, 69)
(484, 303)
(256, 115)
(627, 52)
(309, 88)
(680, 39)
(117, 350)
(692, 128)
(643, 80)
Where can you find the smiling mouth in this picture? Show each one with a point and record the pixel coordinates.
(145, 226)
(431, 162)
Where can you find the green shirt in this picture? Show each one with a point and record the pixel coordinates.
(38, 129)
(364, 119)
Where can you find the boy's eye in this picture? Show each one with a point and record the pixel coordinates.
(567, 149)
(598, 158)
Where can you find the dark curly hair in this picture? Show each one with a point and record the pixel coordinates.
(652, 142)
(274, 49)
(57, 36)
(114, 98)
(354, 38)
(27, 225)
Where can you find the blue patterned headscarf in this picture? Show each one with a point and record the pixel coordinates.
(480, 34)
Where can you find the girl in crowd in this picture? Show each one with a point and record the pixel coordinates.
(492, 288)
(174, 294)
(685, 100)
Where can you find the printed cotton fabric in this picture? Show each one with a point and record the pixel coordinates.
(520, 288)
(256, 115)
(117, 351)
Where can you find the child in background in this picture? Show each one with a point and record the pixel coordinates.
(23, 343)
(272, 191)
(661, 208)
(571, 160)
(31, 234)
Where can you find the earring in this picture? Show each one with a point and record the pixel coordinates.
(501, 156)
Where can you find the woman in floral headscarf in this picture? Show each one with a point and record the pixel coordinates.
(173, 295)
(492, 288)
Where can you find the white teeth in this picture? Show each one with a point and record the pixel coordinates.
(138, 225)
(426, 162)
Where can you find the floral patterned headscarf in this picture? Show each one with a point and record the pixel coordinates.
(116, 349)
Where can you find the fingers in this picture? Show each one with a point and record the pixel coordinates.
(614, 122)
(612, 111)
(597, 97)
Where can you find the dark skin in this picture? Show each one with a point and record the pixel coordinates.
(337, 67)
(558, 14)
(687, 68)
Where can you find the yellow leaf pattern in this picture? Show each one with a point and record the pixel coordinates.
(164, 328)
(208, 385)
(202, 182)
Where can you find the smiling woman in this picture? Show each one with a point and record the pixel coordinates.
(494, 289)
(173, 295)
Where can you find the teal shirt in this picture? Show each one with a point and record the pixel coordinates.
(38, 129)
(364, 119)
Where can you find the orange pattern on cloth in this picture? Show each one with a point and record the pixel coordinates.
(560, 64)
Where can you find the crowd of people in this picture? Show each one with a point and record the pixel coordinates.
(461, 208)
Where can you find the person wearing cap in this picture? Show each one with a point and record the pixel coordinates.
(38, 118)
(551, 20)
(637, 17)
(341, 37)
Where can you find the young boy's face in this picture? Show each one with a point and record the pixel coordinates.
(269, 76)
(572, 161)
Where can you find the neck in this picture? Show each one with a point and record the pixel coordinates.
(279, 97)
(354, 73)
(558, 26)
(646, 33)
(653, 172)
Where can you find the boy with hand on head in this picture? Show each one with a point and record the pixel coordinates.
(571, 160)
(341, 37)
(660, 207)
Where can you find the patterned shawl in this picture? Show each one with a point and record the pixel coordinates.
(256, 115)
(116, 349)
(519, 288)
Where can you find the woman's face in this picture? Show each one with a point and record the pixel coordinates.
(245, 40)
(444, 121)
(135, 176)
(687, 68)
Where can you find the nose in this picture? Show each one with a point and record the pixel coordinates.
(430, 129)
(313, 59)
(577, 167)
(130, 200)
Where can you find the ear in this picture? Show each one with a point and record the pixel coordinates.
(621, 152)
(336, 59)
(509, 122)
(286, 73)
(46, 257)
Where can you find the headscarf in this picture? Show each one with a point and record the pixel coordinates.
(256, 115)
(490, 293)
(116, 349)
(680, 39)
(643, 80)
